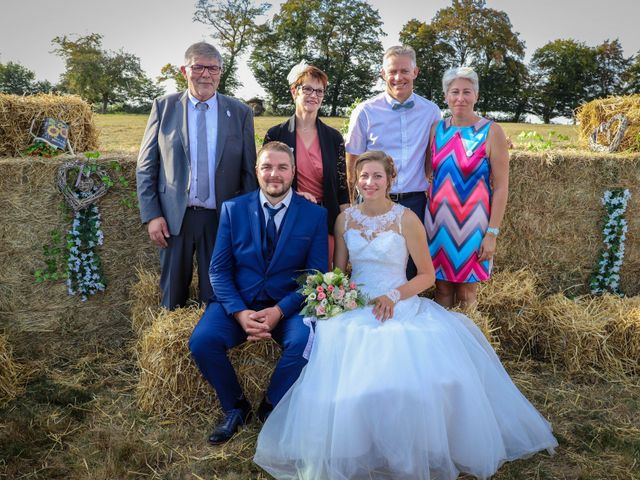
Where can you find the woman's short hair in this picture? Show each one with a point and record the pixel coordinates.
(310, 72)
(460, 72)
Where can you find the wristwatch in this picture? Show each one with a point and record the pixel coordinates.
(493, 231)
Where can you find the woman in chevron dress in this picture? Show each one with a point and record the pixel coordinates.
(469, 171)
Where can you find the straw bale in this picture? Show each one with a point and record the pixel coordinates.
(511, 300)
(10, 385)
(554, 218)
(171, 385)
(31, 210)
(17, 113)
(601, 110)
(592, 333)
(145, 294)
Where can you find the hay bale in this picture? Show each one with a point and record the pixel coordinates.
(511, 299)
(592, 114)
(145, 304)
(31, 210)
(171, 385)
(601, 333)
(146, 298)
(554, 218)
(17, 113)
(10, 385)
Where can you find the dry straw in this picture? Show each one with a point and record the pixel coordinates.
(171, 385)
(591, 115)
(510, 299)
(17, 114)
(10, 386)
(601, 333)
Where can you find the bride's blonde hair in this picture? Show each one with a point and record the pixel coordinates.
(374, 156)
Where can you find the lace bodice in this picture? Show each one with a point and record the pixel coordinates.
(377, 249)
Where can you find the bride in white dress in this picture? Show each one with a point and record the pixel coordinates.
(401, 389)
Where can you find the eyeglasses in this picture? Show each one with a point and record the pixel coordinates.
(307, 90)
(199, 69)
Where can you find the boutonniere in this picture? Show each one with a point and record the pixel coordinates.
(228, 114)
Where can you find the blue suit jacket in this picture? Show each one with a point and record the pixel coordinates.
(238, 270)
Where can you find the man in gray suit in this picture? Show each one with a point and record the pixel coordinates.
(198, 150)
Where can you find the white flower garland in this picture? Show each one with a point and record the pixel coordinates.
(607, 277)
(84, 269)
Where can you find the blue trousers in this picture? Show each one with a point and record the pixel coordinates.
(217, 332)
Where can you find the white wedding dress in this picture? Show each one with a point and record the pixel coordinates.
(419, 396)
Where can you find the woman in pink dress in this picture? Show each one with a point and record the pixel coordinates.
(318, 149)
(469, 170)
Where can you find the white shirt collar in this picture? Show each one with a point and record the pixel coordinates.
(286, 201)
(211, 102)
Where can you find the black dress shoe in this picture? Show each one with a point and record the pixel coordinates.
(229, 425)
(264, 410)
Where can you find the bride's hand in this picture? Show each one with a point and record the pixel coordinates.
(383, 307)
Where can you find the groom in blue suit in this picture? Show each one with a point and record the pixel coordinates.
(265, 240)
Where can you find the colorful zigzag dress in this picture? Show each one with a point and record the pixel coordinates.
(459, 207)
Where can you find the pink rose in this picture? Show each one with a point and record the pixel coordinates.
(320, 310)
(353, 286)
(321, 296)
(331, 288)
(319, 288)
(351, 305)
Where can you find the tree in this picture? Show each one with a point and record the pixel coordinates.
(173, 73)
(234, 26)
(469, 34)
(101, 76)
(19, 80)
(563, 72)
(342, 37)
(433, 57)
(631, 77)
(610, 68)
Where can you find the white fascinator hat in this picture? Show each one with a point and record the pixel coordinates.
(296, 71)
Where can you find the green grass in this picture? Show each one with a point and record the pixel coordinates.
(123, 132)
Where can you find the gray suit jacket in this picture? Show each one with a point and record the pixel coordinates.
(163, 170)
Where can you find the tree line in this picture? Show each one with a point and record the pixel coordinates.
(343, 38)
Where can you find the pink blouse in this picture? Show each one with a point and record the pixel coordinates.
(309, 167)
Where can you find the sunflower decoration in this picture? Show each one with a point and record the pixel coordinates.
(53, 138)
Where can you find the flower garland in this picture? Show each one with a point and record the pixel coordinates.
(607, 277)
(84, 269)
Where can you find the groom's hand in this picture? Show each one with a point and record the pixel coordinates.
(255, 328)
(269, 316)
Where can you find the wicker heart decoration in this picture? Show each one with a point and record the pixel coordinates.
(87, 184)
(605, 127)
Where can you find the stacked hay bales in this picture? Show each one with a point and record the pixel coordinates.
(31, 210)
(17, 113)
(10, 386)
(591, 115)
(554, 219)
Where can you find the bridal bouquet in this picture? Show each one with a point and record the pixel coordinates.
(329, 294)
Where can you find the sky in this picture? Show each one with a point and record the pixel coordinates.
(158, 32)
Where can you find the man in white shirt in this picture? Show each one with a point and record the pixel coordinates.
(398, 122)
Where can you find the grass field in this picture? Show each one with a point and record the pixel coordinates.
(123, 132)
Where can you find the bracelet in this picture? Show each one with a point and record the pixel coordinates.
(493, 231)
(394, 295)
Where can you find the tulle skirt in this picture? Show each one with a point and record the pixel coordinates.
(420, 396)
